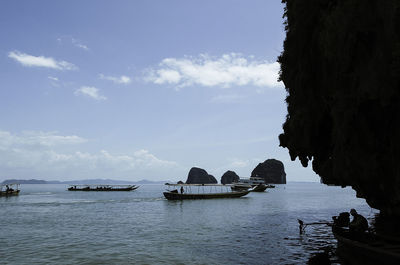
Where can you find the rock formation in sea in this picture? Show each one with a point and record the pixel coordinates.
(341, 69)
(271, 170)
(229, 176)
(199, 176)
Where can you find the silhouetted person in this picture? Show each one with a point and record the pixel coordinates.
(359, 224)
(343, 220)
(182, 189)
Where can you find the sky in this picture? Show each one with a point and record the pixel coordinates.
(135, 90)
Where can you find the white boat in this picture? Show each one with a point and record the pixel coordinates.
(240, 186)
(252, 181)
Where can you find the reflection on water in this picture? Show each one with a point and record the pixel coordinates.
(47, 224)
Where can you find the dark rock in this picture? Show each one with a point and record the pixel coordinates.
(341, 69)
(272, 171)
(180, 182)
(200, 176)
(228, 177)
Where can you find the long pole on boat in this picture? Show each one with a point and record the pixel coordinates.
(302, 225)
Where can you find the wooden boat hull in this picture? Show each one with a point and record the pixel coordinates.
(240, 187)
(102, 189)
(186, 196)
(260, 188)
(366, 251)
(9, 193)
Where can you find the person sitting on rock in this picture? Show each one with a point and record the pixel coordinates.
(359, 224)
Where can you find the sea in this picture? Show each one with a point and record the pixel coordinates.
(47, 224)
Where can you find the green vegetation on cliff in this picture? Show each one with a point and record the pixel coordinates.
(341, 70)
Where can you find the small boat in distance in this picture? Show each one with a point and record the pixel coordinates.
(246, 184)
(102, 187)
(252, 181)
(240, 186)
(9, 190)
(201, 191)
(260, 188)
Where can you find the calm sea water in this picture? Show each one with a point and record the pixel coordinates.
(47, 224)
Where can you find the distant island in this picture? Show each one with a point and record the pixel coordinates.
(84, 181)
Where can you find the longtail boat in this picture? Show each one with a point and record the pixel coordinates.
(201, 191)
(366, 248)
(240, 187)
(260, 188)
(9, 190)
(102, 187)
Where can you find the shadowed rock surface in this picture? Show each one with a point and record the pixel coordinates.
(271, 170)
(199, 176)
(341, 70)
(229, 177)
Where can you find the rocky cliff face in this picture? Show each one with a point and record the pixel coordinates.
(199, 176)
(341, 70)
(228, 177)
(271, 170)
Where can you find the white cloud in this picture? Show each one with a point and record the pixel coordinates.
(37, 138)
(77, 43)
(53, 78)
(90, 91)
(119, 80)
(41, 153)
(82, 46)
(225, 71)
(40, 61)
(230, 98)
(237, 163)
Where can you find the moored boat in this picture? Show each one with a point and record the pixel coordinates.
(102, 187)
(252, 181)
(260, 188)
(366, 248)
(240, 186)
(9, 190)
(214, 191)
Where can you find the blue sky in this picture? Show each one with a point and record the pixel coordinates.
(140, 89)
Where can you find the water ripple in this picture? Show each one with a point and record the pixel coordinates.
(49, 225)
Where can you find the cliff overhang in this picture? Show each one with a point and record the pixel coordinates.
(341, 69)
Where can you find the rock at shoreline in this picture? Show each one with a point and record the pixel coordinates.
(341, 69)
(228, 177)
(200, 176)
(272, 171)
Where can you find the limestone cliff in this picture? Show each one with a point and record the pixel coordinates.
(228, 177)
(341, 70)
(271, 170)
(199, 176)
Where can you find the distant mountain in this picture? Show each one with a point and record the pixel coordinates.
(144, 181)
(24, 181)
(97, 181)
(84, 181)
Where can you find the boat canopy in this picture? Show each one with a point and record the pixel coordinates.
(10, 185)
(201, 185)
(102, 185)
